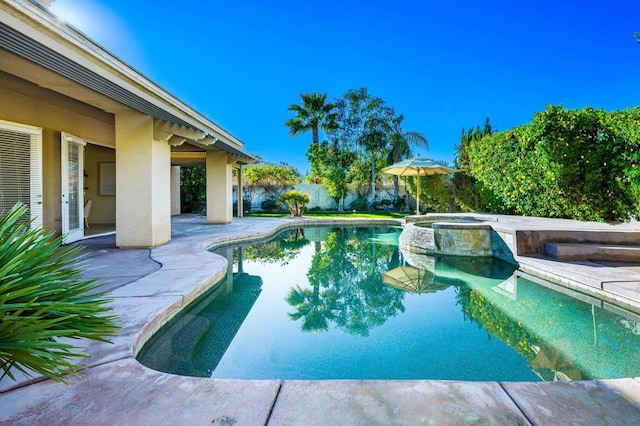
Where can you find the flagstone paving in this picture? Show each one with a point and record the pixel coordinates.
(149, 286)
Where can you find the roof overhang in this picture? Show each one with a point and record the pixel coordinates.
(29, 31)
(199, 158)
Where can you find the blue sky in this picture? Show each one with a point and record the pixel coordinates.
(445, 65)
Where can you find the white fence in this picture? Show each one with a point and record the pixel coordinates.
(318, 192)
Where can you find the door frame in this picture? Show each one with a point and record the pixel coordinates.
(76, 233)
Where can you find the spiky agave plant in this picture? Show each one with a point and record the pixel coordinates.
(43, 299)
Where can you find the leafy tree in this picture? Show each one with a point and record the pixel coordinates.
(43, 299)
(265, 174)
(274, 179)
(335, 162)
(400, 144)
(363, 135)
(467, 192)
(313, 114)
(296, 201)
(374, 141)
(193, 189)
(364, 121)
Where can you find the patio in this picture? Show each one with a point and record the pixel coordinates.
(150, 285)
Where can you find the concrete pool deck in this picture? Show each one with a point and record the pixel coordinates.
(149, 286)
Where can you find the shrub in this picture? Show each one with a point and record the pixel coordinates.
(469, 195)
(435, 195)
(381, 205)
(269, 205)
(296, 201)
(359, 204)
(43, 298)
(399, 203)
(578, 164)
(246, 206)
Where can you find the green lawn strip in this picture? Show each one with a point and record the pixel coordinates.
(357, 215)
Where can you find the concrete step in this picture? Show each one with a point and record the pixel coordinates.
(593, 252)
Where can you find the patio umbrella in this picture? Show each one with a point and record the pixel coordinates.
(418, 167)
(412, 279)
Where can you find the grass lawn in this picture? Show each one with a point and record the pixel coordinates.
(330, 214)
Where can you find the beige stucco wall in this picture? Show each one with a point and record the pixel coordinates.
(51, 183)
(104, 206)
(25, 103)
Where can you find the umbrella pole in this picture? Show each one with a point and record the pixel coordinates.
(418, 197)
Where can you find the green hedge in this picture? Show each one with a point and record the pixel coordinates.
(581, 164)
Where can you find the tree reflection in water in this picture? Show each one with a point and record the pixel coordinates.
(346, 284)
(335, 288)
(282, 249)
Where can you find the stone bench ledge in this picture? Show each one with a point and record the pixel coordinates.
(592, 251)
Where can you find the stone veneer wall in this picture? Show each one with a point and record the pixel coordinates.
(458, 239)
(463, 239)
(417, 239)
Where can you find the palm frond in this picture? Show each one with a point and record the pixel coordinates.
(44, 298)
(416, 139)
(312, 114)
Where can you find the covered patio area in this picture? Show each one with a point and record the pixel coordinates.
(83, 126)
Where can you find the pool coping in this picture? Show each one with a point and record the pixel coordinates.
(187, 271)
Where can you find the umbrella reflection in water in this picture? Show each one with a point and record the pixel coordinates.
(412, 279)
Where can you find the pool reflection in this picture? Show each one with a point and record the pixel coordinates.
(327, 303)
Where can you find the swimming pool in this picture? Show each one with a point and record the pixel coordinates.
(346, 303)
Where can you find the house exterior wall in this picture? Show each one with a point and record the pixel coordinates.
(26, 103)
(104, 206)
(143, 205)
(55, 79)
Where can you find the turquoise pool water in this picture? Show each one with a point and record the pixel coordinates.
(346, 303)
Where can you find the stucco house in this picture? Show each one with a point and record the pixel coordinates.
(79, 125)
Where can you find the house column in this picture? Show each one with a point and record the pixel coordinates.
(143, 202)
(240, 200)
(219, 188)
(175, 190)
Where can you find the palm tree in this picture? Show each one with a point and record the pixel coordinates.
(313, 114)
(400, 144)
